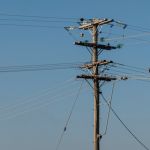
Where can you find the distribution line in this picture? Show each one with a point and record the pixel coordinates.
(32, 25)
(36, 16)
(33, 100)
(125, 126)
(128, 37)
(35, 20)
(138, 28)
(137, 68)
(125, 37)
(58, 87)
(47, 92)
(6, 69)
(133, 27)
(120, 72)
(69, 117)
(145, 32)
(110, 102)
(12, 115)
(44, 101)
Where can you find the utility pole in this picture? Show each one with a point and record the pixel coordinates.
(93, 25)
(96, 90)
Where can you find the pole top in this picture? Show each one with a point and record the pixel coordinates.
(85, 25)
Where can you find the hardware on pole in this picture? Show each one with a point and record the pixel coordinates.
(96, 76)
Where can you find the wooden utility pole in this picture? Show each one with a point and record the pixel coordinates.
(96, 90)
(93, 25)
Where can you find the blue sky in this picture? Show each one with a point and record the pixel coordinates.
(34, 106)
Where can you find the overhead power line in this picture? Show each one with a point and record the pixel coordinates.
(32, 25)
(126, 127)
(110, 102)
(36, 16)
(7, 69)
(41, 100)
(139, 28)
(35, 20)
(117, 116)
(128, 37)
(69, 117)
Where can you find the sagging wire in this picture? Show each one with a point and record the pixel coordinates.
(69, 117)
(117, 116)
(109, 111)
(68, 31)
(126, 127)
(35, 16)
(74, 38)
(137, 68)
(34, 103)
(128, 37)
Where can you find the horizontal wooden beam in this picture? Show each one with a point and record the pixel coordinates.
(91, 23)
(103, 78)
(98, 63)
(105, 47)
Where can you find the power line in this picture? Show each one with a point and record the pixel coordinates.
(145, 32)
(129, 26)
(36, 16)
(45, 92)
(37, 102)
(35, 20)
(32, 25)
(8, 69)
(138, 28)
(128, 37)
(110, 102)
(129, 66)
(126, 127)
(36, 106)
(69, 117)
(127, 69)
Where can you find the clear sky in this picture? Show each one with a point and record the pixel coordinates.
(34, 106)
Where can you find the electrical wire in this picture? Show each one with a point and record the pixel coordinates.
(35, 16)
(124, 72)
(71, 35)
(36, 20)
(137, 68)
(138, 28)
(34, 104)
(69, 117)
(145, 32)
(42, 67)
(128, 37)
(126, 127)
(124, 37)
(11, 20)
(110, 102)
(132, 27)
(129, 70)
(32, 25)
(59, 87)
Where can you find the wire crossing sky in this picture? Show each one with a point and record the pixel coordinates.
(39, 64)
